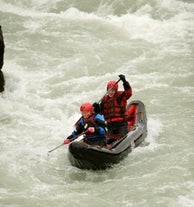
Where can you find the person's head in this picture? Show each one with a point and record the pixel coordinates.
(112, 88)
(86, 109)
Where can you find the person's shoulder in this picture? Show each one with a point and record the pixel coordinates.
(119, 93)
(104, 98)
(99, 116)
(81, 121)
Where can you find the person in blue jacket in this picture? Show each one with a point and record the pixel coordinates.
(93, 125)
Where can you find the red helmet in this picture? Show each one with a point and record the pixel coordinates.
(86, 107)
(113, 85)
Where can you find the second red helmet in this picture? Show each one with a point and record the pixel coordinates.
(112, 84)
(86, 107)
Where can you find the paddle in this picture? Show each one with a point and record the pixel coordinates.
(100, 99)
(70, 140)
(55, 148)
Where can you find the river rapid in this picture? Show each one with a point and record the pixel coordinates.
(59, 54)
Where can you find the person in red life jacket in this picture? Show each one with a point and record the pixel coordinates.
(113, 107)
(93, 125)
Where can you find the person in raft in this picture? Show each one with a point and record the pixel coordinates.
(113, 107)
(93, 125)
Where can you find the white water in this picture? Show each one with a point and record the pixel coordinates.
(61, 54)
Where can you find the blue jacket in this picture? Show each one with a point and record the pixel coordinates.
(97, 121)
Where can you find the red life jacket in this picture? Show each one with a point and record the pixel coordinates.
(89, 122)
(112, 110)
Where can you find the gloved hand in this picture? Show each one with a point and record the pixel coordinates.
(122, 77)
(96, 107)
(91, 129)
(69, 137)
(66, 141)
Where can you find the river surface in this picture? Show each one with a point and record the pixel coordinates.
(59, 54)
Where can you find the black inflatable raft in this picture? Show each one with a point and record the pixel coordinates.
(85, 156)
